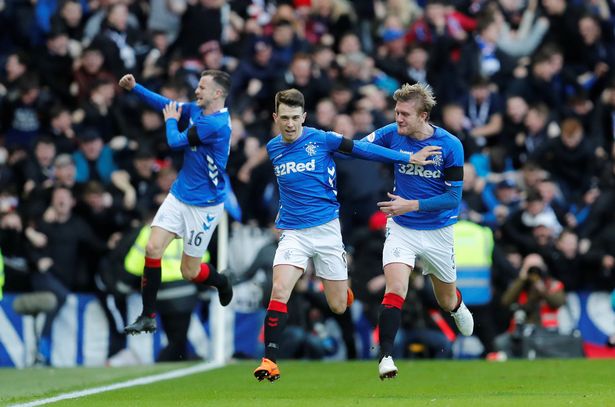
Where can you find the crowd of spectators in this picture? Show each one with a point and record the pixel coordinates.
(526, 85)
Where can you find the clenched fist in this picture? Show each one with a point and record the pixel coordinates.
(128, 82)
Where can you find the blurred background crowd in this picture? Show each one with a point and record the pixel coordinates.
(526, 85)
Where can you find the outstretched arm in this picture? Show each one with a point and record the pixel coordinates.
(373, 152)
(370, 151)
(153, 99)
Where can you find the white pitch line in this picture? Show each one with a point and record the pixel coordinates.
(174, 374)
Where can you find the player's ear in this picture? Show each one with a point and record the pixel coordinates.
(275, 116)
(303, 116)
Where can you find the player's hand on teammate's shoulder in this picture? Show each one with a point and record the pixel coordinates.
(398, 205)
(422, 157)
(128, 82)
(172, 111)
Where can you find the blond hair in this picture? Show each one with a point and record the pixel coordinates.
(420, 93)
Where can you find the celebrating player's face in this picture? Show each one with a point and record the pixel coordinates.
(206, 91)
(289, 120)
(407, 118)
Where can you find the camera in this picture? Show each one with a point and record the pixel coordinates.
(537, 271)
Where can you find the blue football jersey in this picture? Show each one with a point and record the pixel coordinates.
(306, 176)
(201, 180)
(421, 182)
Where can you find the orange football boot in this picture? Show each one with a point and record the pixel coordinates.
(267, 370)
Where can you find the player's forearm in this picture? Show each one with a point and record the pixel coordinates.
(448, 200)
(151, 98)
(175, 139)
(373, 152)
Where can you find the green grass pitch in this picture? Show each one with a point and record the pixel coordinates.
(420, 383)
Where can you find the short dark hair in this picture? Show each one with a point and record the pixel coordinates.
(221, 78)
(289, 97)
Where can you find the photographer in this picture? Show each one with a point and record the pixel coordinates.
(535, 297)
(536, 293)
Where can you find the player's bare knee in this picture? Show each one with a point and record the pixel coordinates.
(189, 273)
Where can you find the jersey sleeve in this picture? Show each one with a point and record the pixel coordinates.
(381, 136)
(158, 102)
(453, 163)
(364, 150)
(176, 139)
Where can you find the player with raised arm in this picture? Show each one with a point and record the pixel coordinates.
(302, 159)
(421, 212)
(195, 203)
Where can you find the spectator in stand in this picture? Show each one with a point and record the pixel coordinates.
(391, 54)
(418, 68)
(285, 44)
(213, 58)
(481, 56)
(473, 205)
(254, 80)
(329, 21)
(453, 118)
(483, 112)
(536, 134)
(142, 176)
(56, 245)
(121, 44)
(538, 84)
(61, 129)
(69, 17)
(301, 76)
(203, 21)
(513, 127)
(519, 38)
(570, 159)
(15, 67)
(90, 70)
(22, 117)
(94, 160)
(39, 169)
(166, 16)
(519, 228)
(566, 263)
(102, 112)
(563, 28)
(58, 63)
(324, 115)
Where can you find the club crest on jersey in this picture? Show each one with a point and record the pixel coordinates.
(310, 148)
(437, 160)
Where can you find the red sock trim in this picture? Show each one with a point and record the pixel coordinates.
(203, 274)
(153, 263)
(393, 300)
(459, 299)
(277, 306)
